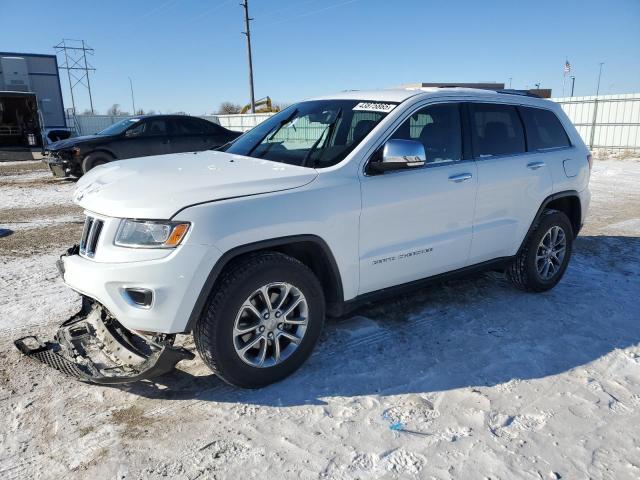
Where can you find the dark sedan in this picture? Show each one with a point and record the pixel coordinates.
(135, 137)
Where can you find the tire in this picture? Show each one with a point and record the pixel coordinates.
(219, 343)
(525, 271)
(93, 160)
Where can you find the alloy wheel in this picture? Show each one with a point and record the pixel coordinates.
(270, 324)
(550, 253)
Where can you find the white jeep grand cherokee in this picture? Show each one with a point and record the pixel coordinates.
(330, 203)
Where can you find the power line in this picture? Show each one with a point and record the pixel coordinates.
(309, 13)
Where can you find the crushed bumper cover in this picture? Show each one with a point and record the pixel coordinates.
(58, 166)
(93, 347)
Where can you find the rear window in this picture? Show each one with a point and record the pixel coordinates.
(544, 130)
(496, 129)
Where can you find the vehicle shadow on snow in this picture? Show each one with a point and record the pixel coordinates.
(478, 331)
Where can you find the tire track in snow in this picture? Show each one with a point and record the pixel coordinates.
(322, 354)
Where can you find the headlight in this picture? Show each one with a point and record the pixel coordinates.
(150, 233)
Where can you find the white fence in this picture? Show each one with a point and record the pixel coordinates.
(608, 121)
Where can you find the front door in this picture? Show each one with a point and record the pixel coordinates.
(416, 223)
(150, 136)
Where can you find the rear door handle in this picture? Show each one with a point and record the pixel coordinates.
(460, 178)
(535, 165)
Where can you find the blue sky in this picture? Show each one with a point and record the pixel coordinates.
(189, 55)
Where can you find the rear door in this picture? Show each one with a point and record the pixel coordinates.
(416, 223)
(512, 182)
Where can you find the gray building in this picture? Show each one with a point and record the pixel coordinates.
(29, 92)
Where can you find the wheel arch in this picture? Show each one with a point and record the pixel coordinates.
(311, 250)
(568, 202)
(101, 150)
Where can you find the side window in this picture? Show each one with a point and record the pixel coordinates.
(137, 130)
(544, 130)
(156, 126)
(186, 126)
(438, 128)
(496, 130)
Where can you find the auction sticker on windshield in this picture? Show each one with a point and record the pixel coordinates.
(375, 107)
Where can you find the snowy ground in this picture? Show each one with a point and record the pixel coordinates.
(471, 379)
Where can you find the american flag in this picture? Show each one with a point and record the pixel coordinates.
(567, 67)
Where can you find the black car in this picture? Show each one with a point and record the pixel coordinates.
(135, 137)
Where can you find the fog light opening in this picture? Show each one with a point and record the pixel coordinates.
(140, 297)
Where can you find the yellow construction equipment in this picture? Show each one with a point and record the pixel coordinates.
(264, 104)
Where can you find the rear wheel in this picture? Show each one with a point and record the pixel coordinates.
(543, 259)
(263, 320)
(95, 159)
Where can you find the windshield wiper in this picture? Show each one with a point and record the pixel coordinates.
(271, 133)
(328, 131)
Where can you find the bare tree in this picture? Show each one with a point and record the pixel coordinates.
(114, 110)
(227, 108)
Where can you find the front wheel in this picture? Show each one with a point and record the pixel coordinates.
(263, 320)
(543, 259)
(94, 160)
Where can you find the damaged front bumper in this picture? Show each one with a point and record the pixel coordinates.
(94, 347)
(58, 166)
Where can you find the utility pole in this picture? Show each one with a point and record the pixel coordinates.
(75, 63)
(599, 75)
(245, 5)
(133, 101)
(573, 83)
(510, 78)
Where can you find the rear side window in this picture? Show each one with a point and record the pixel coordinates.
(544, 130)
(496, 130)
(437, 127)
(155, 127)
(188, 126)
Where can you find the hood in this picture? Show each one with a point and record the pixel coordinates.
(72, 142)
(157, 187)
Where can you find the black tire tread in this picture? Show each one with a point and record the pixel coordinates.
(205, 333)
(91, 158)
(518, 273)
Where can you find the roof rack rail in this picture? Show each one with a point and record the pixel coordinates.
(513, 91)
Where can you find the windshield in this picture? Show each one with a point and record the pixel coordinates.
(119, 127)
(317, 133)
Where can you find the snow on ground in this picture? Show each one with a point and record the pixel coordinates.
(470, 379)
(34, 188)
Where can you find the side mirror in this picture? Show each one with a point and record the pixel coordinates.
(400, 154)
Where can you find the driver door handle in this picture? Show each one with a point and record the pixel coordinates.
(535, 165)
(460, 178)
